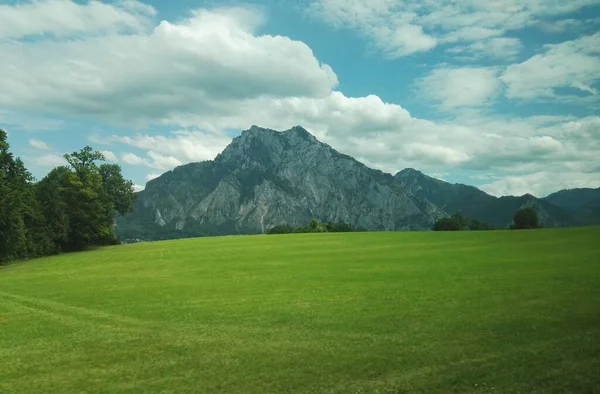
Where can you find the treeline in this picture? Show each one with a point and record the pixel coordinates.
(314, 227)
(524, 219)
(70, 209)
(458, 222)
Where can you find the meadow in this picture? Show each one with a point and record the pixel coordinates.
(455, 312)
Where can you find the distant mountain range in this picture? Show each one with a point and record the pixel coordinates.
(266, 178)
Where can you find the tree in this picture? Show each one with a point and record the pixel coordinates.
(458, 222)
(281, 229)
(525, 218)
(51, 195)
(314, 225)
(83, 162)
(118, 191)
(71, 208)
(95, 195)
(476, 225)
(447, 224)
(22, 227)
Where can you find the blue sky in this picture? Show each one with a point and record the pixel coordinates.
(500, 94)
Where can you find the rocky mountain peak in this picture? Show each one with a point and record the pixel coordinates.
(266, 178)
(301, 132)
(409, 173)
(265, 148)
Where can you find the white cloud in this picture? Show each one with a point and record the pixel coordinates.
(213, 72)
(63, 18)
(386, 136)
(569, 64)
(49, 160)
(398, 41)
(37, 144)
(132, 158)
(392, 31)
(569, 25)
(154, 160)
(420, 25)
(503, 48)
(138, 188)
(25, 122)
(151, 176)
(109, 156)
(459, 87)
(171, 70)
(185, 145)
(162, 162)
(435, 154)
(471, 33)
(540, 184)
(584, 88)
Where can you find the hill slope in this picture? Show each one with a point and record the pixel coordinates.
(395, 312)
(479, 205)
(265, 178)
(583, 204)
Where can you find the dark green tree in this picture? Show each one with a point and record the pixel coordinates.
(94, 195)
(51, 194)
(118, 192)
(71, 208)
(22, 227)
(525, 218)
(447, 224)
(281, 229)
(84, 161)
(458, 222)
(314, 225)
(476, 225)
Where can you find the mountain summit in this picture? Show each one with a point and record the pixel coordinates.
(265, 178)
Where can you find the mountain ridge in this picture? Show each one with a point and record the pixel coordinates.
(266, 177)
(475, 203)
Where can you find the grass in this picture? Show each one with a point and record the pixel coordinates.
(479, 312)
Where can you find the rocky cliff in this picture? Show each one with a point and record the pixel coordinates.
(265, 178)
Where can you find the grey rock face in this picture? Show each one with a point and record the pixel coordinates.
(265, 178)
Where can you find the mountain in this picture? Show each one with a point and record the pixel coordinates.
(583, 204)
(479, 205)
(265, 178)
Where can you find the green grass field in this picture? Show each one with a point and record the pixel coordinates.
(480, 312)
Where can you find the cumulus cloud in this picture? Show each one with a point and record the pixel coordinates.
(568, 64)
(172, 69)
(459, 87)
(388, 137)
(214, 72)
(37, 144)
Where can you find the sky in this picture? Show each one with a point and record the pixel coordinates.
(500, 94)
